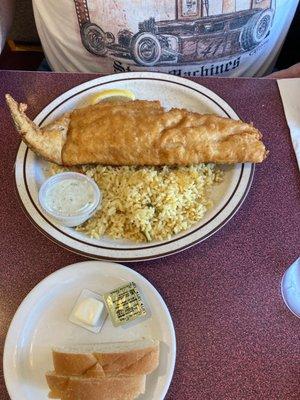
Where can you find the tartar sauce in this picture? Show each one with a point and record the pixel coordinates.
(69, 196)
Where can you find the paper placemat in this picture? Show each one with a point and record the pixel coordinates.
(290, 95)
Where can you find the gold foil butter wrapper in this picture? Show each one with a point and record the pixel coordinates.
(124, 304)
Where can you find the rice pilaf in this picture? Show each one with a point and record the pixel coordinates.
(148, 203)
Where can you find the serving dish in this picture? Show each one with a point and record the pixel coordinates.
(41, 322)
(31, 171)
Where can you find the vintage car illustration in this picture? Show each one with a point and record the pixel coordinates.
(192, 37)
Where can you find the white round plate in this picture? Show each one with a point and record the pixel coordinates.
(41, 322)
(31, 171)
(290, 288)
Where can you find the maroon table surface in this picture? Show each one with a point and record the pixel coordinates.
(235, 337)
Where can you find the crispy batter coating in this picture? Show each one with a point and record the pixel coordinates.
(139, 132)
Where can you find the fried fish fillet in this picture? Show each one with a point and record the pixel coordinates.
(139, 132)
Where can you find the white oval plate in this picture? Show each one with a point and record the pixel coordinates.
(41, 322)
(30, 170)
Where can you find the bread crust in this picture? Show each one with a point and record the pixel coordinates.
(129, 362)
(132, 363)
(103, 371)
(95, 372)
(107, 388)
(72, 364)
(145, 365)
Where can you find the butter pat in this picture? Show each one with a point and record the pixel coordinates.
(89, 311)
(125, 304)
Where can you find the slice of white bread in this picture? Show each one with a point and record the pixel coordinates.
(97, 360)
(107, 388)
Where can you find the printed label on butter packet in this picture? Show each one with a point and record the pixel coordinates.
(124, 304)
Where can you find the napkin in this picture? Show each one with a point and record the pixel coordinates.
(290, 95)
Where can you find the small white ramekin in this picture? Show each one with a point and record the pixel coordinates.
(77, 218)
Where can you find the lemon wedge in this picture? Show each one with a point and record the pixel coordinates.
(112, 95)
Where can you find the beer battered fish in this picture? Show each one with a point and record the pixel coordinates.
(139, 132)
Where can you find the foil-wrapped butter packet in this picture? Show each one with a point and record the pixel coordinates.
(125, 304)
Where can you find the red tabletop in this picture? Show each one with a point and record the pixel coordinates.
(235, 337)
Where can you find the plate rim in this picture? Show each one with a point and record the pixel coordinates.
(282, 288)
(12, 333)
(162, 249)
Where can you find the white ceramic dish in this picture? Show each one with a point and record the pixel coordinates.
(290, 288)
(31, 171)
(41, 322)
